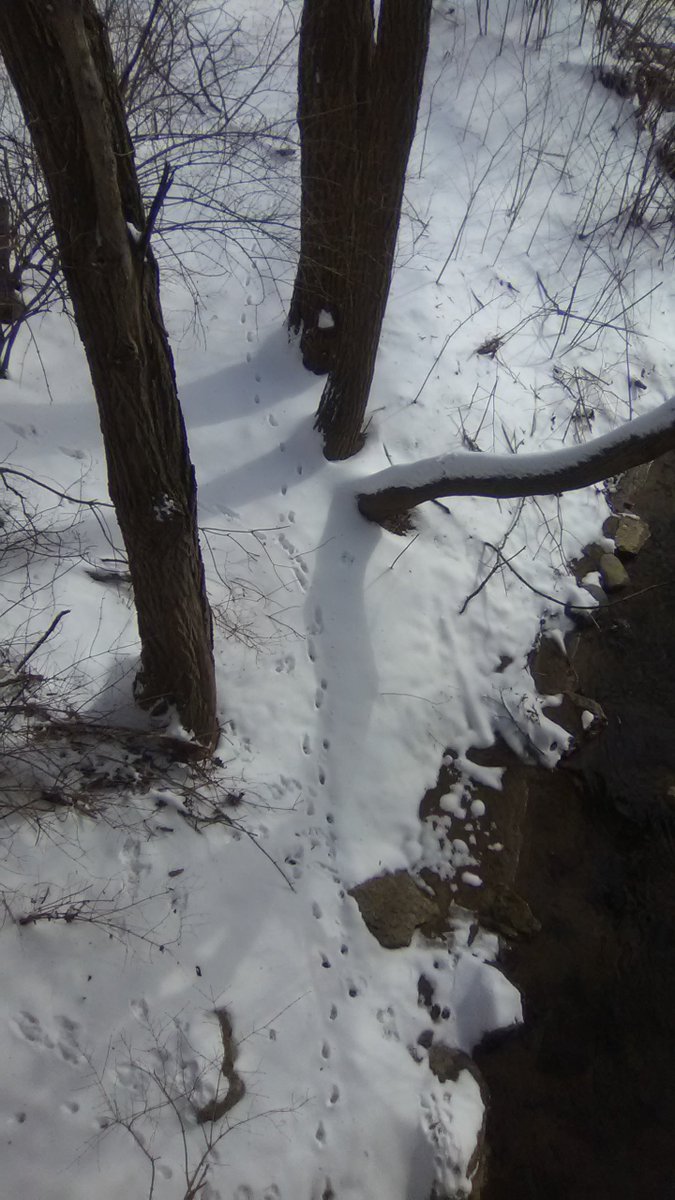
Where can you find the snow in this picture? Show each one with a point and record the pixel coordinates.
(349, 663)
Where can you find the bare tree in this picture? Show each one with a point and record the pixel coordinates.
(359, 89)
(392, 493)
(59, 60)
(190, 76)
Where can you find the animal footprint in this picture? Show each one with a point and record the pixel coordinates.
(29, 1028)
(67, 1043)
(306, 745)
(320, 1134)
(325, 1051)
(334, 1095)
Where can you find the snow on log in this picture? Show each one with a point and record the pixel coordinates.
(397, 489)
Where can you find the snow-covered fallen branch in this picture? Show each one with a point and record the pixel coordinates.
(395, 490)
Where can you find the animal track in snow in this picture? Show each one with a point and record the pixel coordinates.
(28, 1027)
(334, 1095)
(333, 1014)
(306, 745)
(387, 1020)
(320, 1134)
(72, 452)
(316, 911)
(325, 1051)
(311, 649)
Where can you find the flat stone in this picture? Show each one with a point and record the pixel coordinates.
(630, 533)
(613, 573)
(393, 907)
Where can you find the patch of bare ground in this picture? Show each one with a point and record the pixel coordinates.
(581, 1102)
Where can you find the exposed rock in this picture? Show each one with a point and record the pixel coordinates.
(588, 562)
(507, 913)
(613, 573)
(630, 533)
(393, 907)
(447, 1062)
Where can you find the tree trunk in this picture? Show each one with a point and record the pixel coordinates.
(336, 41)
(387, 120)
(393, 492)
(59, 60)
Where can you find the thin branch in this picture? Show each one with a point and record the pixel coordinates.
(41, 641)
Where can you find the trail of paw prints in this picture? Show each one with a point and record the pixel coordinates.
(63, 1041)
(246, 321)
(248, 318)
(298, 563)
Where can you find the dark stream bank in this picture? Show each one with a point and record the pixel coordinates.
(582, 1098)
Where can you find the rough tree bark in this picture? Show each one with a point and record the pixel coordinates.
(394, 492)
(59, 60)
(335, 46)
(387, 127)
(359, 98)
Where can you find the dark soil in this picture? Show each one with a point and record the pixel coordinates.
(582, 1098)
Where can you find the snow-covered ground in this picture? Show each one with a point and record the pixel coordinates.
(347, 666)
